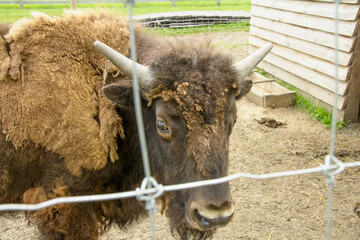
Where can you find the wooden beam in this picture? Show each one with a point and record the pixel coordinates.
(346, 44)
(322, 9)
(312, 89)
(352, 110)
(302, 33)
(310, 48)
(322, 71)
(317, 102)
(304, 72)
(314, 22)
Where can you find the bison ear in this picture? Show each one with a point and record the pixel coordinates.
(245, 87)
(120, 93)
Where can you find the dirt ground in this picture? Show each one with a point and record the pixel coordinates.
(280, 208)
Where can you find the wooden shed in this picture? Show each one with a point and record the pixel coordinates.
(303, 35)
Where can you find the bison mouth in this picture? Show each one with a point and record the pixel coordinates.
(204, 216)
(203, 221)
(180, 225)
(209, 223)
(195, 219)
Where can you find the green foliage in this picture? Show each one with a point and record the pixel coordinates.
(12, 12)
(319, 113)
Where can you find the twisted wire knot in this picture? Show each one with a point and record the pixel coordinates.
(330, 170)
(149, 198)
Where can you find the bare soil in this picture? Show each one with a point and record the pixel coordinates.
(279, 208)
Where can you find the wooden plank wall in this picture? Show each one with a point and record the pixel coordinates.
(302, 32)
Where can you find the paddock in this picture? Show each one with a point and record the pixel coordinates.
(280, 208)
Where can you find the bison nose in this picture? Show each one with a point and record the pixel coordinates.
(212, 216)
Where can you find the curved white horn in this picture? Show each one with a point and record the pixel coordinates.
(245, 66)
(125, 64)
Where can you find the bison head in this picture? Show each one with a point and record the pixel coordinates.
(190, 94)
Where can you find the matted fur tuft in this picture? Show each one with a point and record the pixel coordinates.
(51, 88)
(199, 81)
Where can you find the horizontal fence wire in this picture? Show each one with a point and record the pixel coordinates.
(169, 188)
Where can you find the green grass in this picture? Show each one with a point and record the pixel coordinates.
(12, 12)
(316, 112)
(12, 15)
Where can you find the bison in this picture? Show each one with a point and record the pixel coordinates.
(68, 124)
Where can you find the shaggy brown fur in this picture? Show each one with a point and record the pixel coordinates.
(30, 174)
(59, 116)
(200, 83)
(56, 122)
(60, 136)
(4, 48)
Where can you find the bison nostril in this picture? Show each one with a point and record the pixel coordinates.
(219, 207)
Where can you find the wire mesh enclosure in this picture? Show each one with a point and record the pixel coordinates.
(331, 168)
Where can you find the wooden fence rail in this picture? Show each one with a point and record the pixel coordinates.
(302, 32)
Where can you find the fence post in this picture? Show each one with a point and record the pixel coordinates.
(218, 3)
(73, 4)
(125, 3)
(173, 3)
(21, 4)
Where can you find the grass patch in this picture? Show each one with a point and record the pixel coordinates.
(316, 112)
(12, 15)
(12, 12)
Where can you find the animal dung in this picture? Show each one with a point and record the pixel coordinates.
(270, 122)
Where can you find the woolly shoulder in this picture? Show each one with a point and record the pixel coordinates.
(4, 59)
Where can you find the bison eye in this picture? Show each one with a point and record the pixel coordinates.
(162, 127)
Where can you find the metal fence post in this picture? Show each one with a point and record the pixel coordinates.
(73, 4)
(148, 181)
(21, 4)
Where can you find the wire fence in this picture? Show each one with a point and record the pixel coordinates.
(22, 3)
(150, 189)
(11, 11)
